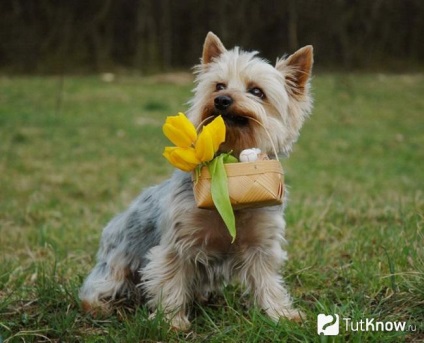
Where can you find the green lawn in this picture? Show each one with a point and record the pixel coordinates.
(74, 154)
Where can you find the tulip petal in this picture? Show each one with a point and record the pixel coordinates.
(180, 130)
(176, 136)
(204, 145)
(218, 131)
(181, 158)
(187, 154)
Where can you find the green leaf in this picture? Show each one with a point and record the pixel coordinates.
(228, 158)
(220, 195)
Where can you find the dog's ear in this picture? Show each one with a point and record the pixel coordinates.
(297, 70)
(212, 48)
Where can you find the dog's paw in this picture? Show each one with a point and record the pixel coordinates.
(180, 322)
(287, 313)
(177, 321)
(96, 309)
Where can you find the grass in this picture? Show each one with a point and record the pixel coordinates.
(74, 154)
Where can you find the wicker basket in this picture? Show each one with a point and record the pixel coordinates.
(250, 184)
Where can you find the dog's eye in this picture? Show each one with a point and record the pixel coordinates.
(257, 92)
(220, 86)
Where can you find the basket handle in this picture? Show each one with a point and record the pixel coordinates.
(249, 118)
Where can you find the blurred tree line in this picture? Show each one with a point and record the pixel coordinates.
(54, 36)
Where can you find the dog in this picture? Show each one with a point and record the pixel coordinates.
(169, 252)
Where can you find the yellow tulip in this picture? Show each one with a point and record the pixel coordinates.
(192, 149)
(181, 158)
(180, 130)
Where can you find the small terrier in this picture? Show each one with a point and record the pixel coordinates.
(165, 249)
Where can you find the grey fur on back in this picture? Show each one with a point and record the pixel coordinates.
(129, 236)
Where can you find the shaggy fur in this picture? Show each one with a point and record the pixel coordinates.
(169, 251)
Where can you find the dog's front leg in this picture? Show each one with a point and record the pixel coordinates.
(166, 281)
(260, 275)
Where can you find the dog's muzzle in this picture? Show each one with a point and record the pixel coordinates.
(223, 107)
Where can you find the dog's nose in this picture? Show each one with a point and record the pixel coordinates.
(222, 102)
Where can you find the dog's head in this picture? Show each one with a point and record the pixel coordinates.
(246, 89)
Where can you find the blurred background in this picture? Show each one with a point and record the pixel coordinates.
(149, 36)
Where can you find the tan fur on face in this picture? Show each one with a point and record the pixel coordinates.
(287, 99)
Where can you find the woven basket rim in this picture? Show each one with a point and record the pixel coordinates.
(245, 168)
